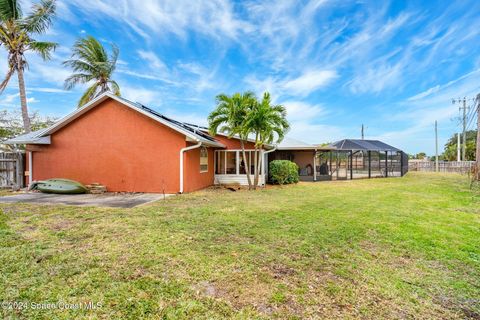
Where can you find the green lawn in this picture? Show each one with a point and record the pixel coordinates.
(382, 248)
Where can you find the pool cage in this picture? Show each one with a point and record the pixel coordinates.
(344, 160)
(354, 159)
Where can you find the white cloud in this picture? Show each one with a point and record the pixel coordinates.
(309, 82)
(377, 80)
(9, 98)
(417, 116)
(425, 93)
(315, 133)
(303, 111)
(13, 100)
(154, 61)
(141, 95)
(213, 17)
(49, 72)
(303, 85)
(48, 90)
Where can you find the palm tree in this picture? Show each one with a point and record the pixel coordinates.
(269, 124)
(91, 63)
(229, 117)
(16, 35)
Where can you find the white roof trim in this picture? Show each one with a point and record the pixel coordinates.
(33, 140)
(82, 110)
(298, 148)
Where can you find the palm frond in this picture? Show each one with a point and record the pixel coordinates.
(41, 17)
(91, 61)
(5, 81)
(10, 10)
(89, 95)
(113, 59)
(82, 66)
(115, 87)
(77, 78)
(43, 48)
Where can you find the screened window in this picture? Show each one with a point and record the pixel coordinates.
(232, 162)
(203, 159)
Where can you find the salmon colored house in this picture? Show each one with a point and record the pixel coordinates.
(129, 147)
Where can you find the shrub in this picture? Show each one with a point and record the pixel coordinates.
(283, 172)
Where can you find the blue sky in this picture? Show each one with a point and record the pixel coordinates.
(393, 66)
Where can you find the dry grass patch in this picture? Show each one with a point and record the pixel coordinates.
(371, 249)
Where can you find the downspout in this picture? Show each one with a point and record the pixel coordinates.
(30, 168)
(182, 151)
(265, 167)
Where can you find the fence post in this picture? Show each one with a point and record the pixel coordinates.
(20, 170)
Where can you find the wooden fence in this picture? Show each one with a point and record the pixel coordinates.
(11, 169)
(463, 167)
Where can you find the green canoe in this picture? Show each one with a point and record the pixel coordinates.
(62, 186)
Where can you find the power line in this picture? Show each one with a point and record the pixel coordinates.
(463, 109)
(470, 112)
(470, 121)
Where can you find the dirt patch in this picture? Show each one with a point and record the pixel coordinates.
(279, 271)
(206, 288)
(469, 308)
(61, 225)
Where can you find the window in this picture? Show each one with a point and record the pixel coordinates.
(203, 159)
(232, 162)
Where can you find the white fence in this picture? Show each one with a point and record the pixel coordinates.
(443, 166)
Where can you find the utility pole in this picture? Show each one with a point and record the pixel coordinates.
(463, 109)
(363, 132)
(436, 147)
(458, 147)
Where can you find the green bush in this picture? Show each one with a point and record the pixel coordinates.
(283, 172)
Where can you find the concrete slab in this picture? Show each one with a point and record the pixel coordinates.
(113, 200)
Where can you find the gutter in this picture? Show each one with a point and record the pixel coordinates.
(265, 168)
(271, 150)
(182, 151)
(30, 169)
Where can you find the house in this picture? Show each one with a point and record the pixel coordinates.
(129, 147)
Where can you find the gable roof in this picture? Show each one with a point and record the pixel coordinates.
(294, 144)
(358, 144)
(191, 133)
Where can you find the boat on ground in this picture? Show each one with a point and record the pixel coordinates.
(61, 186)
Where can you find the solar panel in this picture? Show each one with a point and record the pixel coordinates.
(178, 123)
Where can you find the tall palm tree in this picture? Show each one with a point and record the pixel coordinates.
(229, 118)
(16, 35)
(91, 63)
(268, 122)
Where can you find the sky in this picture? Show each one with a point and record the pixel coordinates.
(393, 66)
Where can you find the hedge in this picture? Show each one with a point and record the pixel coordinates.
(283, 172)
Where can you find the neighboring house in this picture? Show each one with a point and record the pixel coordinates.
(129, 147)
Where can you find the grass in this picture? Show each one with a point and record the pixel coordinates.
(382, 248)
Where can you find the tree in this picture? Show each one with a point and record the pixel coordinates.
(229, 117)
(11, 125)
(16, 35)
(269, 124)
(420, 156)
(450, 150)
(91, 63)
